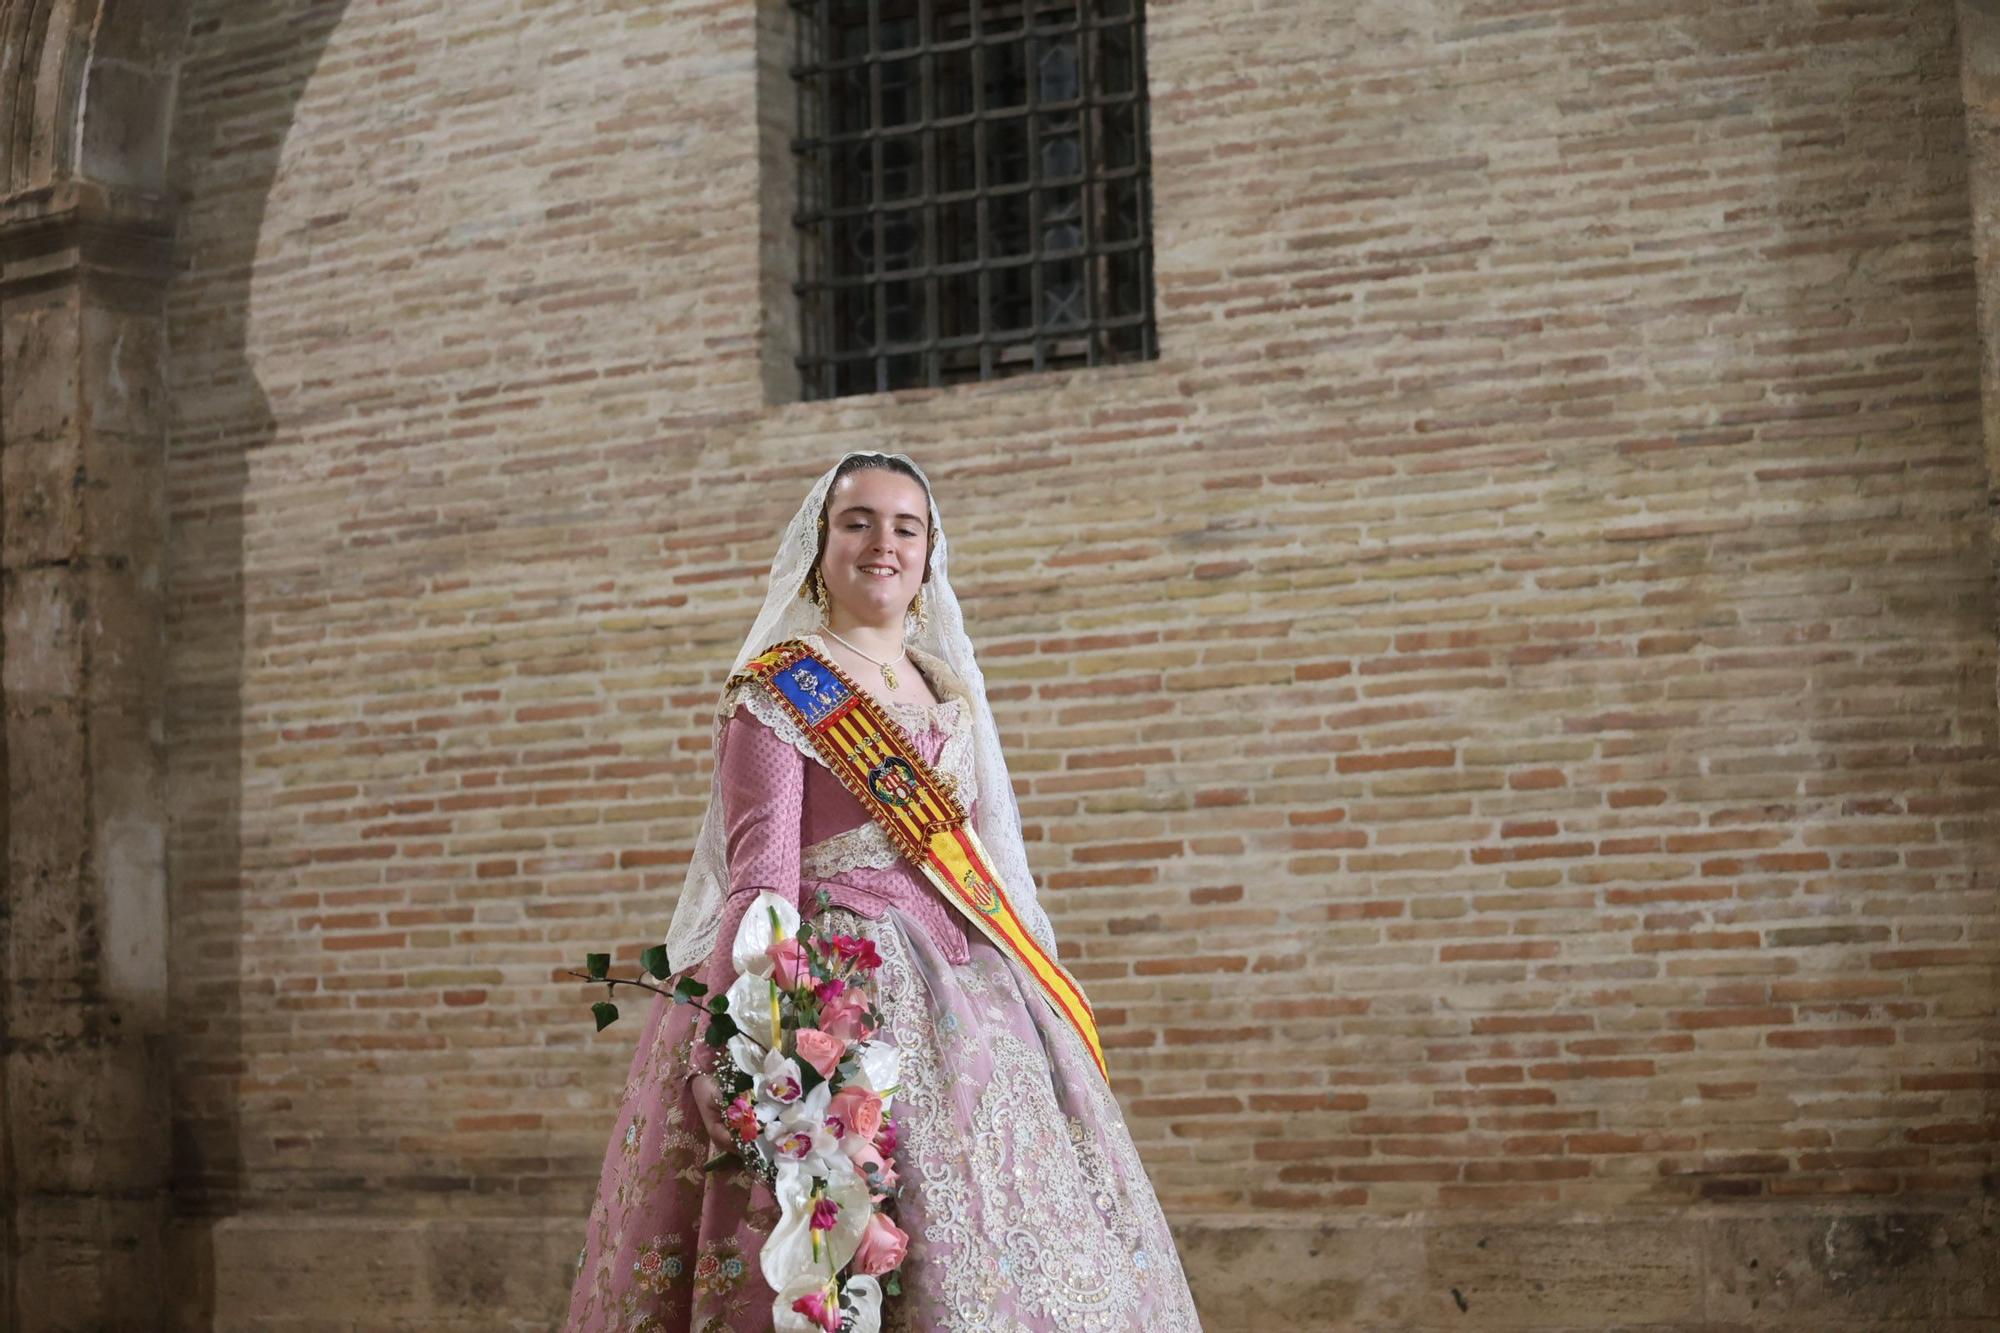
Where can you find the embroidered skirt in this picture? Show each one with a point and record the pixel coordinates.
(1027, 1208)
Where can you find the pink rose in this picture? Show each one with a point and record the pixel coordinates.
(882, 1247)
(877, 1170)
(859, 1109)
(788, 963)
(846, 1017)
(821, 1050)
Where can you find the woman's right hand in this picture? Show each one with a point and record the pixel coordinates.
(705, 1096)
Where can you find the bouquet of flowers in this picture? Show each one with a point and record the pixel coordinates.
(806, 1088)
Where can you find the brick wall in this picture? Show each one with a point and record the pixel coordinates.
(1503, 707)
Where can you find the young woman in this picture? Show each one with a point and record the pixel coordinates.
(1022, 1200)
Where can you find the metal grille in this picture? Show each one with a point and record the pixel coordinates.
(975, 192)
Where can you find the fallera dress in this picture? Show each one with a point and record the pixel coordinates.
(1027, 1207)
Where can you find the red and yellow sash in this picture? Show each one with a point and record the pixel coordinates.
(873, 759)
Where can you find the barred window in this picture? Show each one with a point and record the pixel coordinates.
(974, 190)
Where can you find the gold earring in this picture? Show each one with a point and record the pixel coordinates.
(819, 591)
(918, 612)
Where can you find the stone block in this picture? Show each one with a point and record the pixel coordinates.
(49, 786)
(123, 501)
(38, 346)
(1509, 1276)
(1886, 1267)
(125, 135)
(124, 370)
(41, 501)
(124, 639)
(1250, 1276)
(89, 1117)
(44, 610)
(88, 1264)
(128, 821)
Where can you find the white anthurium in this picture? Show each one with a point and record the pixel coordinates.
(787, 1253)
(784, 1319)
(754, 936)
(748, 1054)
(878, 1066)
(861, 1298)
(750, 1007)
(850, 1194)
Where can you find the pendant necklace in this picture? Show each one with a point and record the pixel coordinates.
(888, 669)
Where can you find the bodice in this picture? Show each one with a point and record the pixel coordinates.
(794, 830)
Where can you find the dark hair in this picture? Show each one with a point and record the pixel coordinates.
(864, 462)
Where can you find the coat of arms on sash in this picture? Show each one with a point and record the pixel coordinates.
(894, 781)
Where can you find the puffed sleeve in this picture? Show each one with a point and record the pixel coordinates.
(763, 796)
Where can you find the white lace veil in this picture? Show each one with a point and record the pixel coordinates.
(786, 615)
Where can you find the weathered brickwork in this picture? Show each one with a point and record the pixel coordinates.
(1504, 706)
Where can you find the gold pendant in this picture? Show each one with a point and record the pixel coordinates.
(889, 675)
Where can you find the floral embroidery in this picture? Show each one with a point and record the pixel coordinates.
(720, 1269)
(654, 1267)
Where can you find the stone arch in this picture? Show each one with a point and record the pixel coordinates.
(86, 94)
(87, 91)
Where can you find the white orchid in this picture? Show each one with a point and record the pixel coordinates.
(755, 936)
(799, 1135)
(774, 1076)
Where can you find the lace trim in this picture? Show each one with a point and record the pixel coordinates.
(773, 715)
(1037, 1217)
(863, 846)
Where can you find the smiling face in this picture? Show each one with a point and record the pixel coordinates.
(877, 533)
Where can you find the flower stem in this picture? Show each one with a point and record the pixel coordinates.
(619, 981)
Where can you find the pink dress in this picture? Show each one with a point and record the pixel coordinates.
(1026, 1205)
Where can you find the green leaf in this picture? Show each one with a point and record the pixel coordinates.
(805, 931)
(654, 960)
(720, 1029)
(607, 1014)
(717, 1162)
(687, 988)
(719, 1005)
(893, 1284)
(597, 964)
